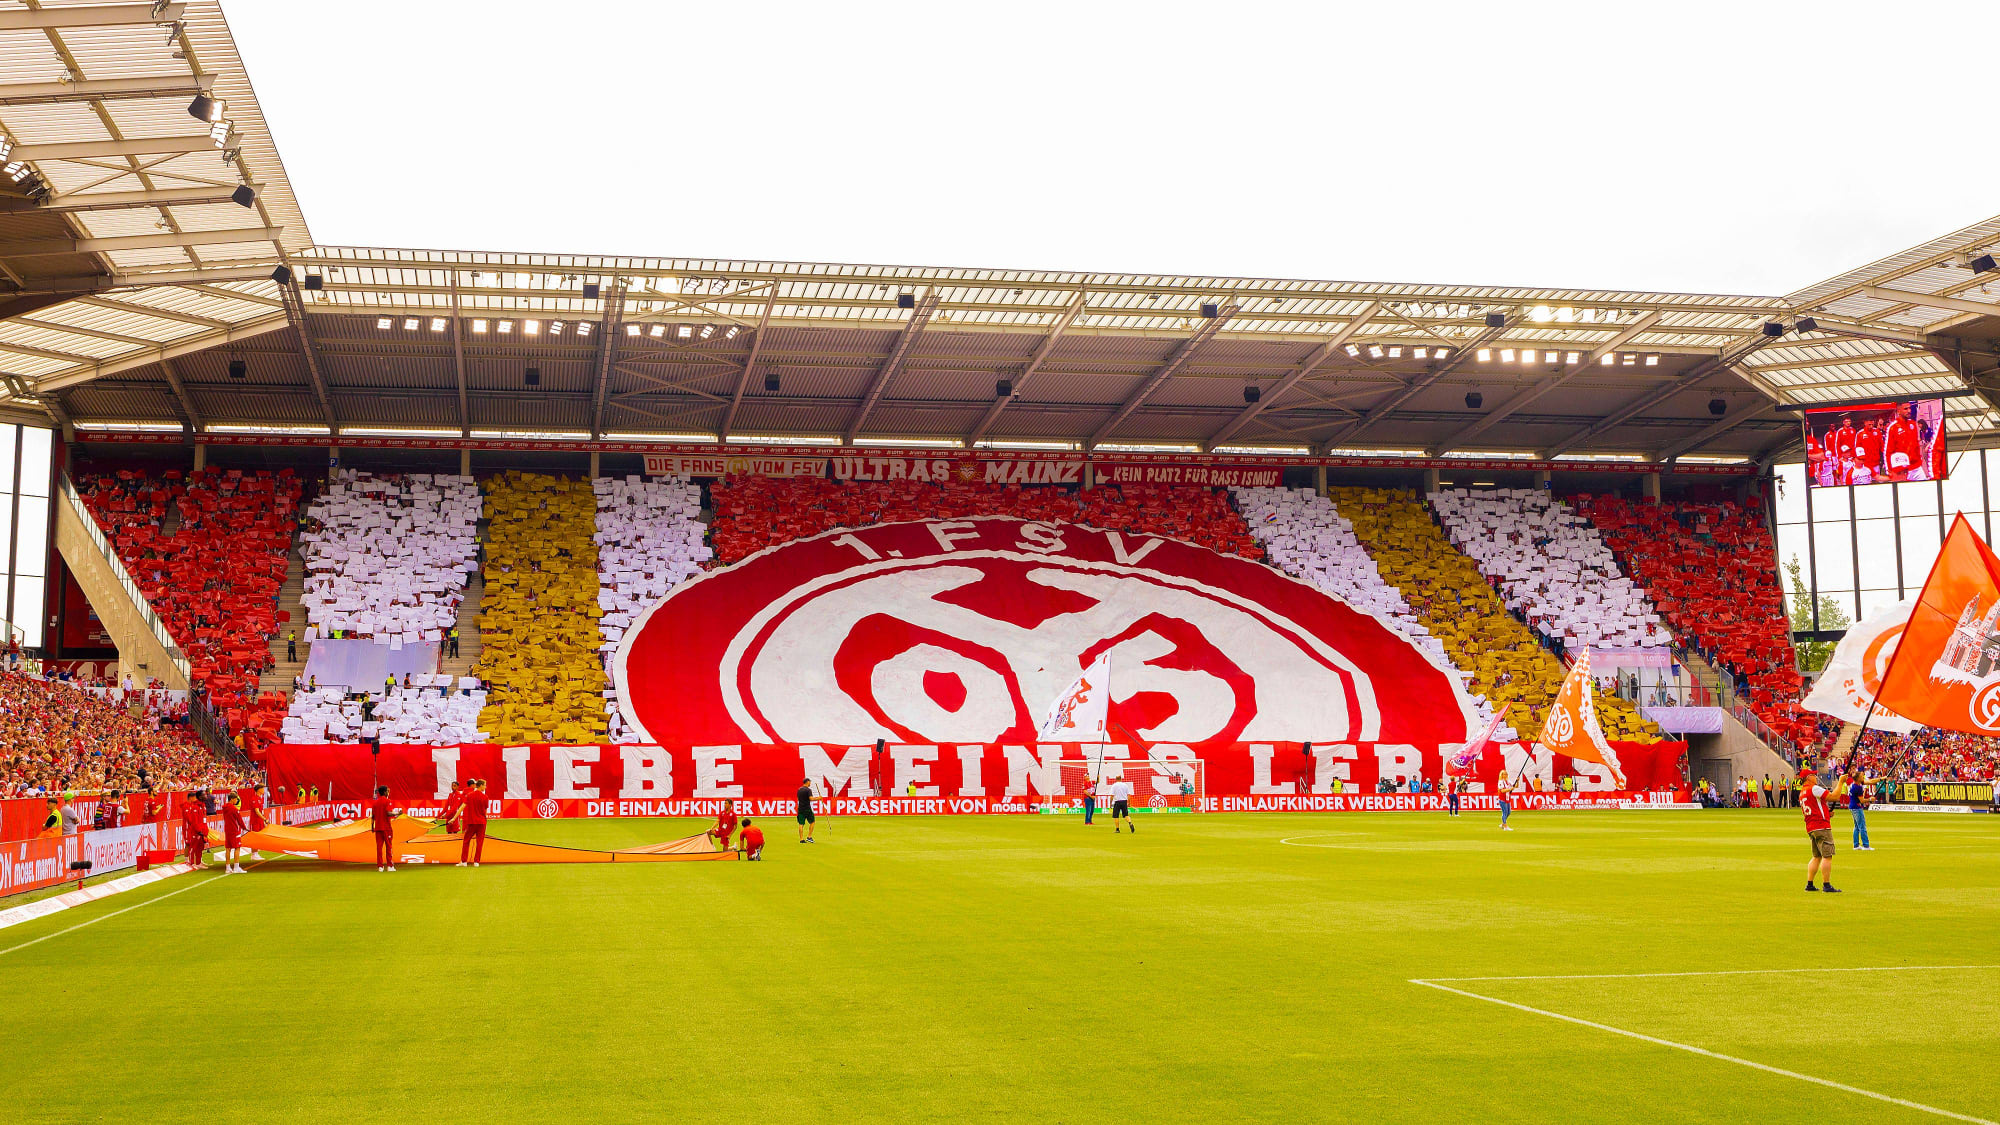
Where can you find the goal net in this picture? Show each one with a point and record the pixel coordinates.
(1157, 786)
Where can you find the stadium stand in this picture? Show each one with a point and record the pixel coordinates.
(1707, 566)
(1305, 536)
(753, 513)
(1925, 754)
(538, 617)
(386, 561)
(1551, 566)
(55, 737)
(386, 557)
(209, 552)
(1455, 602)
(649, 540)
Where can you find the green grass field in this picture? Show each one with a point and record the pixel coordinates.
(1030, 969)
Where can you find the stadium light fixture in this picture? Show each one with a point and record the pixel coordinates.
(505, 327)
(1565, 315)
(1802, 324)
(1572, 357)
(18, 171)
(1982, 263)
(1374, 351)
(385, 322)
(1484, 355)
(1506, 355)
(1419, 353)
(1528, 355)
(437, 324)
(1717, 407)
(1353, 352)
(555, 327)
(707, 330)
(1474, 400)
(531, 327)
(1496, 320)
(1606, 360)
(583, 329)
(205, 108)
(1628, 359)
(731, 334)
(657, 331)
(479, 325)
(685, 331)
(244, 196)
(6, 147)
(1395, 352)
(1773, 329)
(1441, 353)
(1541, 314)
(1652, 361)
(410, 324)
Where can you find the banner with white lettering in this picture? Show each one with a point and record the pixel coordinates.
(977, 778)
(717, 465)
(1163, 471)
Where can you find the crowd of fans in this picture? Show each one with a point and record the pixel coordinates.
(1707, 568)
(56, 737)
(213, 578)
(1925, 754)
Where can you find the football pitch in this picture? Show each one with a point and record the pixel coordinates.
(1590, 966)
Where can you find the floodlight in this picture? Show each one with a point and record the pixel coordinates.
(1981, 264)
(243, 196)
(205, 108)
(657, 331)
(1484, 355)
(1652, 361)
(1374, 351)
(531, 327)
(387, 322)
(437, 324)
(315, 282)
(410, 324)
(1773, 329)
(1496, 320)
(707, 330)
(1395, 353)
(1506, 355)
(731, 334)
(479, 325)
(583, 328)
(1353, 352)
(685, 331)
(1805, 324)
(633, 330)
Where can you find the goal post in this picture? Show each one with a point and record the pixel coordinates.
(1162, 785)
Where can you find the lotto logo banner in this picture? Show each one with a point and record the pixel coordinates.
(689, 779)
(967, 631)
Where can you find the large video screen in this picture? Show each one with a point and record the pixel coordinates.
(1876, 443)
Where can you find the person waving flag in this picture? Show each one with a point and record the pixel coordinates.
(1571, 728)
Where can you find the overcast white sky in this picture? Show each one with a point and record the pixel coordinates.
(1746, 147)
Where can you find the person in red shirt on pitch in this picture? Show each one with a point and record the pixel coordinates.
(750, 845)
(194, 826)
(725, 826)
(382, 821)
(475, 823)
(454, 806)
(1819, 829)
(232, 835)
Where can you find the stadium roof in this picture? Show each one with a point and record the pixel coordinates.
(131, 283)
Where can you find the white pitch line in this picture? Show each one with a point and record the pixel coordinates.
(113, 914)
(1704, 1052)
(1714, 973)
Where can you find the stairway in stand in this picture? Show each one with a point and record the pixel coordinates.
(468, 628)
(279, 677)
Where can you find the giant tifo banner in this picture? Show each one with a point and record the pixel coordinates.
(693, 779)
(964, 631)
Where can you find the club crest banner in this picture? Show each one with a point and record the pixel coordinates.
(964, 630)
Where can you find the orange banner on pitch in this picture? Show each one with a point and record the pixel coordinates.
(1946, 671)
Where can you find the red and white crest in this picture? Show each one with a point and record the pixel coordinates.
(965, 630)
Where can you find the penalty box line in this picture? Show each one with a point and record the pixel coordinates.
(1702, 1051)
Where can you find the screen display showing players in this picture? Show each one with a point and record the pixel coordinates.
(1876, 443)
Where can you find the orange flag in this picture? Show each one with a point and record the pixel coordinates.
(1946, 671)
(1571, 728)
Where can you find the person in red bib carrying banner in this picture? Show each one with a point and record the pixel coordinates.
(1819, 830)
(475, 824)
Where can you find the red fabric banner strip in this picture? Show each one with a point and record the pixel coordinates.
(671, 776)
